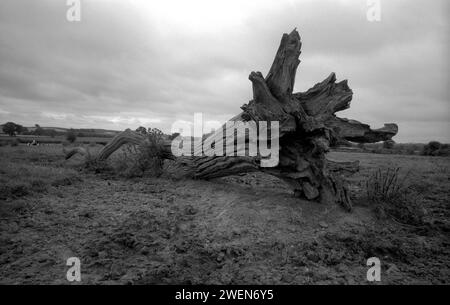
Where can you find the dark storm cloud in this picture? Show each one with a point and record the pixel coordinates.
(143, 63)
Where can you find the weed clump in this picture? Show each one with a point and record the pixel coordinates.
(394, 197)
(145, 159)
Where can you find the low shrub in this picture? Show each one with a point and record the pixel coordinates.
(91, 163)
(388, 144)
(393, 196)
(145, 159)
(432, 149)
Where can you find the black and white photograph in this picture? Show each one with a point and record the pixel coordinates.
(224, 143)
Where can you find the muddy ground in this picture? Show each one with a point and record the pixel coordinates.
(237, 230)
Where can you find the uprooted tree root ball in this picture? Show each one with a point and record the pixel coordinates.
(308, 128)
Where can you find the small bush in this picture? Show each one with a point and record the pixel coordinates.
(71, 136)
(392, 196)
(432, 149)
(145, 159)
(388, 144)
(382, 185)
(142, 130)
(93, 164)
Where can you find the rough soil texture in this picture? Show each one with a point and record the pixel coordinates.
(237, 230)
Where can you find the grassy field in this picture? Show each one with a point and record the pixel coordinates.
(235, 230)
(5, 139)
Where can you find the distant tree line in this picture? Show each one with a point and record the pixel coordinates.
(39, 131)
(14, 129)
(435, 148)
(89, 133)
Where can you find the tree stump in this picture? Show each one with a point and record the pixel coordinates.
(308, 127)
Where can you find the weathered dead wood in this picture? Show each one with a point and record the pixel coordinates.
(128, 136)
(308, 128)
(75, 150)
(281, 76)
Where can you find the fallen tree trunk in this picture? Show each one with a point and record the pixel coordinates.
(308, 127)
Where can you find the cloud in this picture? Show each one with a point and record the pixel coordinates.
(150, 63)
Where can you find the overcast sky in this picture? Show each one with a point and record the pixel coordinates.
(149, 63)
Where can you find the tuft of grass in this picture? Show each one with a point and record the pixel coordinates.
(393, 196)
(91, 163)
(383, 185)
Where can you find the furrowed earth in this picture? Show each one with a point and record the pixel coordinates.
(246, 229)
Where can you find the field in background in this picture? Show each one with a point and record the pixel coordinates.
(235, 230)
(24, 139)
(397, 149)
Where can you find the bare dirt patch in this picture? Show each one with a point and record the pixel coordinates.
(238, 230)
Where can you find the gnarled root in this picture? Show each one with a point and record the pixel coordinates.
(128, 136)
(75, 150)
